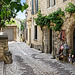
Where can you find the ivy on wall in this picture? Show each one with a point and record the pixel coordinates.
(55, 18)
(70, 8)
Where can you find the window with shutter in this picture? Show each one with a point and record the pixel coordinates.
(36, 6)
(32, 8)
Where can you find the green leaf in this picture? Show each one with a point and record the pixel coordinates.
(7, 1)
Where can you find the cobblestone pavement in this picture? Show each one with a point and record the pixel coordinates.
(29, 61)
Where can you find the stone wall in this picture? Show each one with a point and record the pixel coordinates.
(59, 4)
(68, 26)
(43, 37)
(3, 45)
(5, 55)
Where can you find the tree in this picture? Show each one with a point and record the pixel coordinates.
(22, 24)
(9, 9)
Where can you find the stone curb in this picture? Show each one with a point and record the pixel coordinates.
(1, 67)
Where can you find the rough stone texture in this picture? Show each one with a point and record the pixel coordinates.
(1, 67)
(68, 26)
(5, 55)
(3, 44)
(31, 25)
(29, 61)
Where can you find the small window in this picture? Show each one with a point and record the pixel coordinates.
(54, 2)
(51, 3)
(48, 3)
(35, 32)
(32, 8)
(36, 6)
(64, 0)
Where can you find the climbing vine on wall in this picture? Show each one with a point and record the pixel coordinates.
(70, 8)
(55, 18)
(42, 20)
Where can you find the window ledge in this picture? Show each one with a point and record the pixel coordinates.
(51, 7)
(35, 39)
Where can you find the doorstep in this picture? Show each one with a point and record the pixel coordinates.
(1, 67)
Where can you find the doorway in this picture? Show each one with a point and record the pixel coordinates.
(50, 41)
(74, 42)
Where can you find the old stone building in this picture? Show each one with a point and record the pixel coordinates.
(33, 32)
(48, 40)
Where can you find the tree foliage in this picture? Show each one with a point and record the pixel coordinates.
(9, 9)
(12, 21)
(22, 24)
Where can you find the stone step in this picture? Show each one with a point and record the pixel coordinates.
(1, 67)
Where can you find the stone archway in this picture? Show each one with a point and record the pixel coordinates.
(69, 26)
(69, 34)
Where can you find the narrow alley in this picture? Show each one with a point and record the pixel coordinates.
(29, 61)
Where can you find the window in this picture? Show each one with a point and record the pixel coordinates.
(32, 8)
(64, 0)
(54, 2)
(26, 34)
(51, 3)
(36, 6)
(48, 3)
(35, 32)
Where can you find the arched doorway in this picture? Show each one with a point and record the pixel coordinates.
(74, 42)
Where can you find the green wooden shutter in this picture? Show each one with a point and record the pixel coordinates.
(36, 6)
(32, 8)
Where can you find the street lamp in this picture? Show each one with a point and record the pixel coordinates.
(26, 14)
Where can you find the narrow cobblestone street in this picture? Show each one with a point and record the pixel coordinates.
(29, 61)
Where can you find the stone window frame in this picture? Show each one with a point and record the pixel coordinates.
(51, 3)
(48, 3)
(64, 0)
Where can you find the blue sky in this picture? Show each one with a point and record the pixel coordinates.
(20, 14)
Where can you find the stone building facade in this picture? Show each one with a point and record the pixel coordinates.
(48, 39)
(33, 32)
